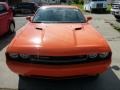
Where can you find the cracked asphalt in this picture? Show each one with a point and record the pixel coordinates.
(110, 80)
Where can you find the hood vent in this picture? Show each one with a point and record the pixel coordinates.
(39, 28)
(79, 28)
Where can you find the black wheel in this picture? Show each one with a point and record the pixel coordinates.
(117, 17)
(12, 27)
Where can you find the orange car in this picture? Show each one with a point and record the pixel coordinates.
(58, 42)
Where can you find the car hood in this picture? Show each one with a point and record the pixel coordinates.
(59, 39)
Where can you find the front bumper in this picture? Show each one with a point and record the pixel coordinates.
(56, 71)
(115, 12)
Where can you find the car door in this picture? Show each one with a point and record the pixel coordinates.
(3, 19)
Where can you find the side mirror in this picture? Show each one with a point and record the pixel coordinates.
(28, 18)
(89, 18)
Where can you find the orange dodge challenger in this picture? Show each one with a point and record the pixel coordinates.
(58, 42)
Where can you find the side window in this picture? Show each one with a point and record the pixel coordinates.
(2, 9)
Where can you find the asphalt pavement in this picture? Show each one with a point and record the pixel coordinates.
(110, 80)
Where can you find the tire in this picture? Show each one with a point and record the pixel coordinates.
(12, 27)
(117, 17)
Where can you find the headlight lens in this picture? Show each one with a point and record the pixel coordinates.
(24, 56)
(104, 55)
(92, 56)
(13, 55)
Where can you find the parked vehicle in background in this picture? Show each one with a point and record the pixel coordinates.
(58, 42)
(116, 9)
(25, 8)
(7, 23)
(92, 5)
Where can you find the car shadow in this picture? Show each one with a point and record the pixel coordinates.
(106, 81)
(5, 40)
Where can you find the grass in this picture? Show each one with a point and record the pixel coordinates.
(109, 8)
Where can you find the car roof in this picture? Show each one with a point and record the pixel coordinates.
(59, 6)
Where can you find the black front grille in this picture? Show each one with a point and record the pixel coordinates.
(57, 59)
(99, 5)
(53, 60)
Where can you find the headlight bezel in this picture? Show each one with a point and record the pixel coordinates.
(106, 54)
(19, 56)
(13, 55)
(93, 56)
(99, 57)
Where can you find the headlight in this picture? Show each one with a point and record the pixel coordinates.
(24, 56)
(13, 55)
(104, 55)
(92, 56)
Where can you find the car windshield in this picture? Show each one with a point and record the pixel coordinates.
(58, 15)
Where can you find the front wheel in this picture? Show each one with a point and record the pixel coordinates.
(12, 27)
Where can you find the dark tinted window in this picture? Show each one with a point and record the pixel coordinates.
(25, 5)
(59, 15)
(2, 9)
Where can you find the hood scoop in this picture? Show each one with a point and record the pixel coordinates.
(79, 28)
(38, 28)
